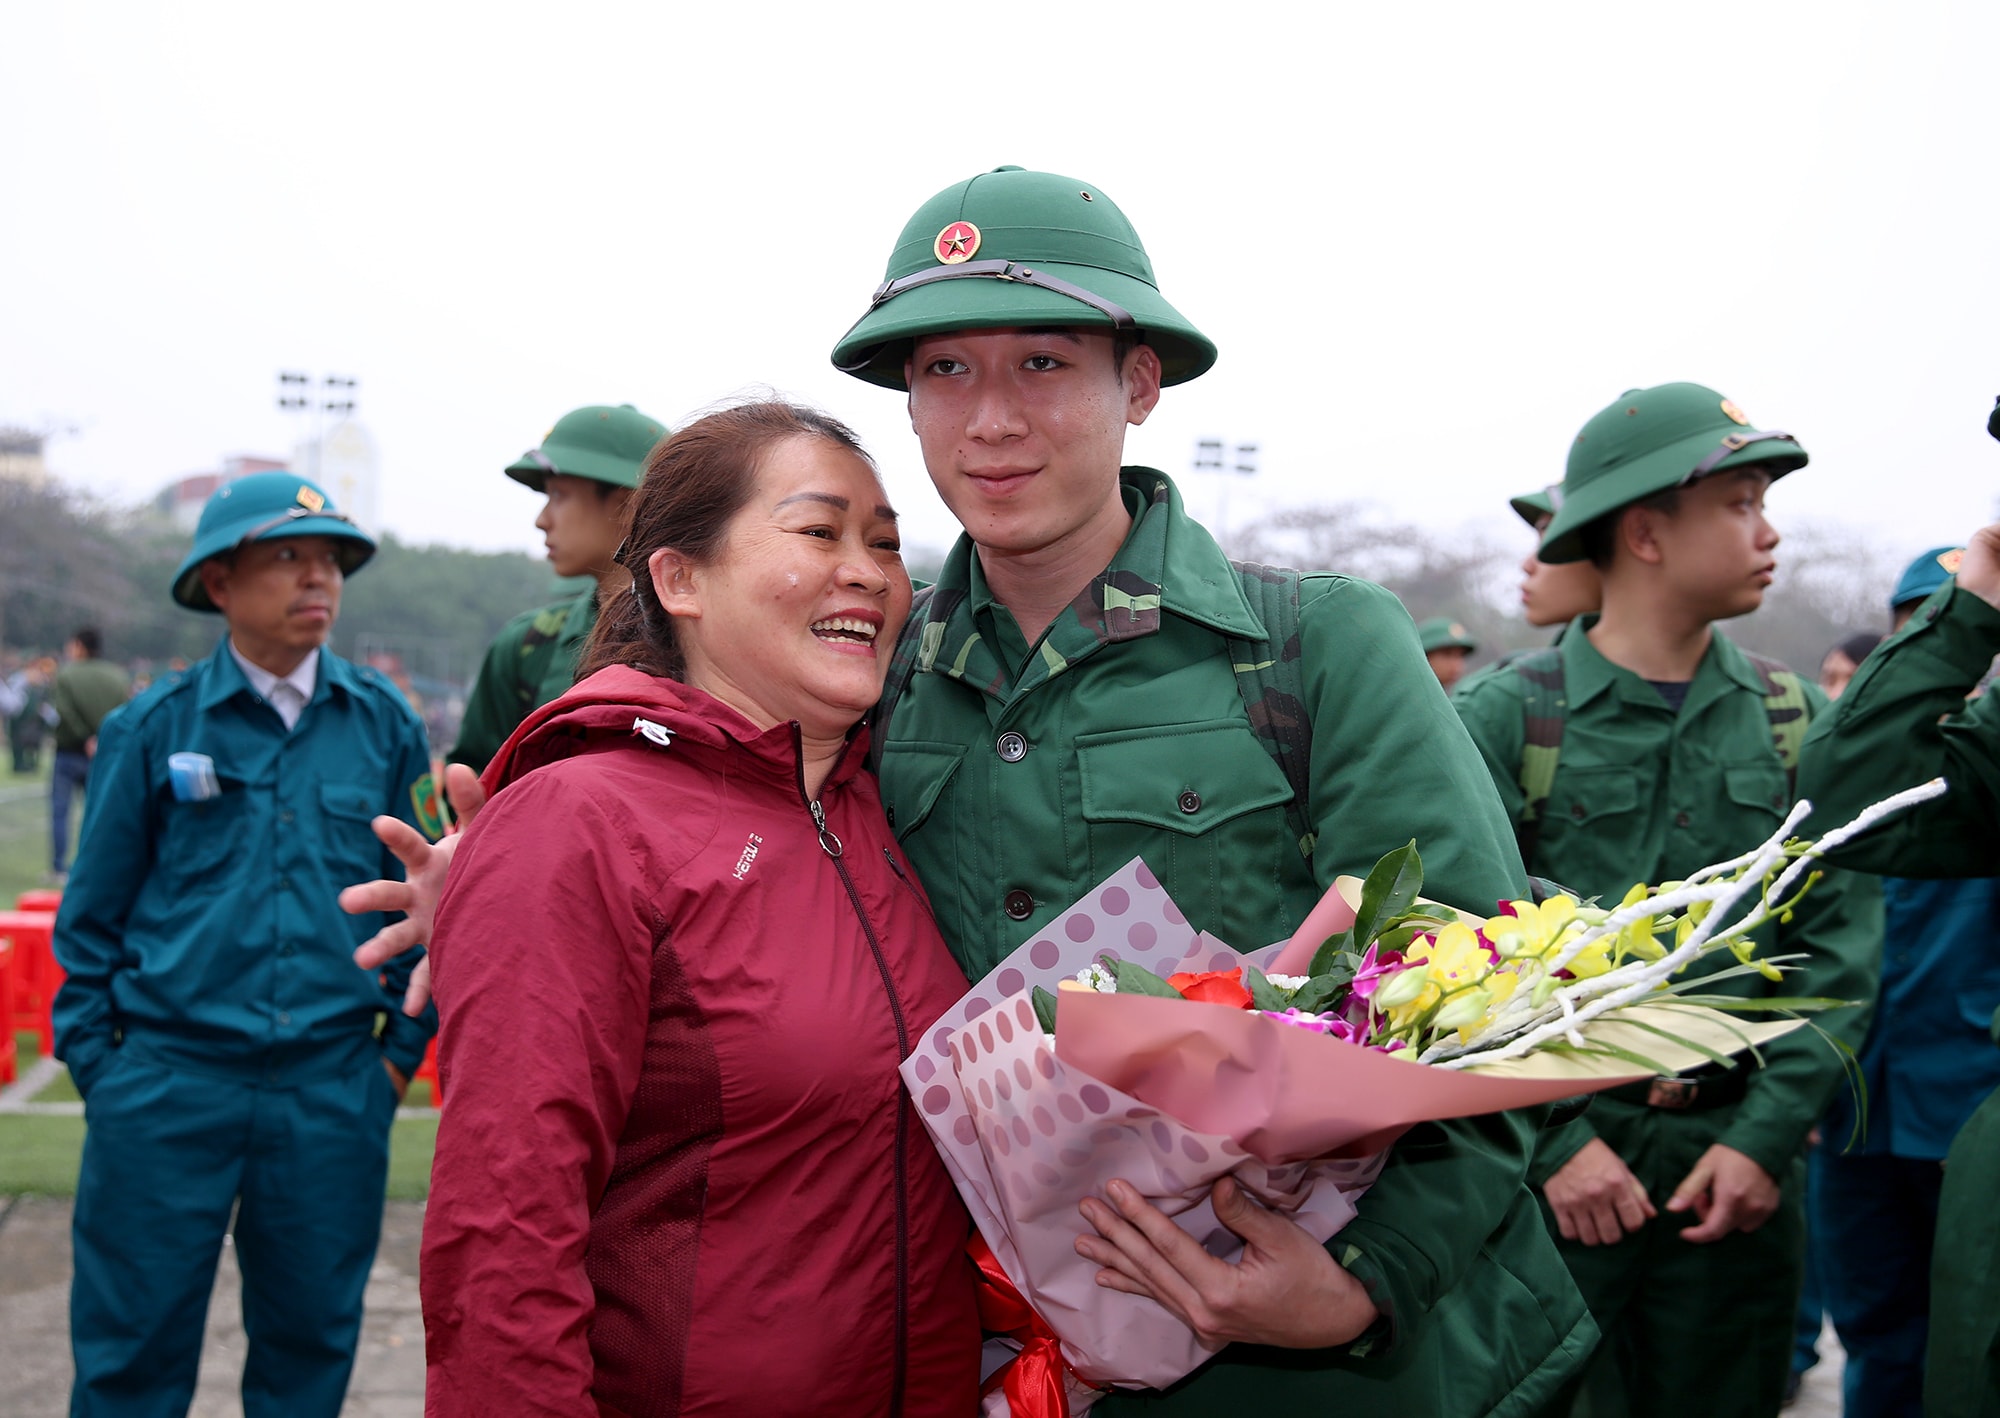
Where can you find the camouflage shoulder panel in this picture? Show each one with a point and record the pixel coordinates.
(1272, 685)
(546, 625)
(1544, 707)
(919, 640)
(1786, 705)
(1118, 605)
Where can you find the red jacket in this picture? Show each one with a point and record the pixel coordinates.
(677, 1172)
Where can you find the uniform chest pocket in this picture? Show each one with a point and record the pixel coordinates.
(1587, 797)
(201, 839)
(350, 846)
(1183, 778)
(1759, 791)
(913, 775)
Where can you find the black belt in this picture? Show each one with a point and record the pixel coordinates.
(1696, 1093)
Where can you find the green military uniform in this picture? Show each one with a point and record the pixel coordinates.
(1019, 775)
(533, 659)
(530, 662)
(1902, 721)
(1641, 791)
(1124, 733)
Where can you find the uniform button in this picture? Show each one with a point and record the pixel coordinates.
(1011, 747)
(287, 948)
(1190, 800)
(1019, 905)
(1576, 810)
(1682, 819)
(284, 883)
(284, 1018)
(891, 812)
(285, 816)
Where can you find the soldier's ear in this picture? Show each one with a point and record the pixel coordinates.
(214, 575)
(1142, 375)
(677, 582)
(1639, 530)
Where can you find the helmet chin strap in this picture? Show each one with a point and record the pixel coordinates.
(1005, 271)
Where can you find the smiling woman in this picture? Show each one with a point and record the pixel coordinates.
(685, 908)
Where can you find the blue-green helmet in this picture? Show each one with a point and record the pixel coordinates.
(259, 508)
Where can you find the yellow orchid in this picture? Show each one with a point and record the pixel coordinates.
(1533, 930)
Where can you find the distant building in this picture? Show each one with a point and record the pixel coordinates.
(21, 456)
(183, 500)
(346, 462)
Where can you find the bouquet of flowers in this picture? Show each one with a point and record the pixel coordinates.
(1038, 1096)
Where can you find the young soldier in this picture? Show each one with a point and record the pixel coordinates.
(1639, 749)
(585, 470)
(229, 1054)
(1446, 648)
(1084, 673)
(1552, 593)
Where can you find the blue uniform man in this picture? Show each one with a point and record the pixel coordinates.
(229, 1054)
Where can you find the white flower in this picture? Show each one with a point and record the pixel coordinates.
(1288, 983)
(1096, 977)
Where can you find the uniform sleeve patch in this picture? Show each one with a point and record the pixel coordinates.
(424, 800)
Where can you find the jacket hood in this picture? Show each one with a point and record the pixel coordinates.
(622, 705)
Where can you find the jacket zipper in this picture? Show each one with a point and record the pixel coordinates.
(830, 844)
(903, 876)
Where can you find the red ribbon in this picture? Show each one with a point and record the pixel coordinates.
(1033, 1380)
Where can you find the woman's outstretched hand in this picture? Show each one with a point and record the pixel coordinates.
(426, 865)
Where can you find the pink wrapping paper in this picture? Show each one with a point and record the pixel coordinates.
(1169, 1095)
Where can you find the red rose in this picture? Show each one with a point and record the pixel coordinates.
(1223, 987)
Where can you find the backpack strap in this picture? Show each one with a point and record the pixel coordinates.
(1544, 707)
(1789, 711)
(902, 665)
(538, 653)
(1270, 675)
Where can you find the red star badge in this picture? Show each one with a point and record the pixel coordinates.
(957, 242)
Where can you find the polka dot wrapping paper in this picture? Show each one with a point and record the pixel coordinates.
(1026, 1138)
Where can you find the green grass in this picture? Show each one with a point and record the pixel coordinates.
(24, 829)
(39, 1154)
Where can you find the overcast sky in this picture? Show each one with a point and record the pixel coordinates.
(1430, 239)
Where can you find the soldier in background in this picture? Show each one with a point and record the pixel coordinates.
(1447, 647)
(585, 468)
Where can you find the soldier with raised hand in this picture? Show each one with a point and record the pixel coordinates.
(585, 469)
(1903, 720)
(1644, 746)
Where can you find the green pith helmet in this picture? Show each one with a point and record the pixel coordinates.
(1531, 507)
(1015, 248)
(262, 508)
(1651, 440)
(602, 443)
(1444, 633)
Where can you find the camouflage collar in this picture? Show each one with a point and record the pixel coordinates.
(1168, 563)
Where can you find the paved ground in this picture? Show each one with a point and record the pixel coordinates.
(389, 1370)
(34, 1321)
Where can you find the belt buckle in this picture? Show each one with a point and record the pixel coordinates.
(1672, 1093)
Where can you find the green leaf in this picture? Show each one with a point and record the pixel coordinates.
(1138, 980)
(1324, 958)
(1263, 994)
(1390, 890)
(1776, 1004)
(1320, 992)
(1711, 1055)
(1045, 1008)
